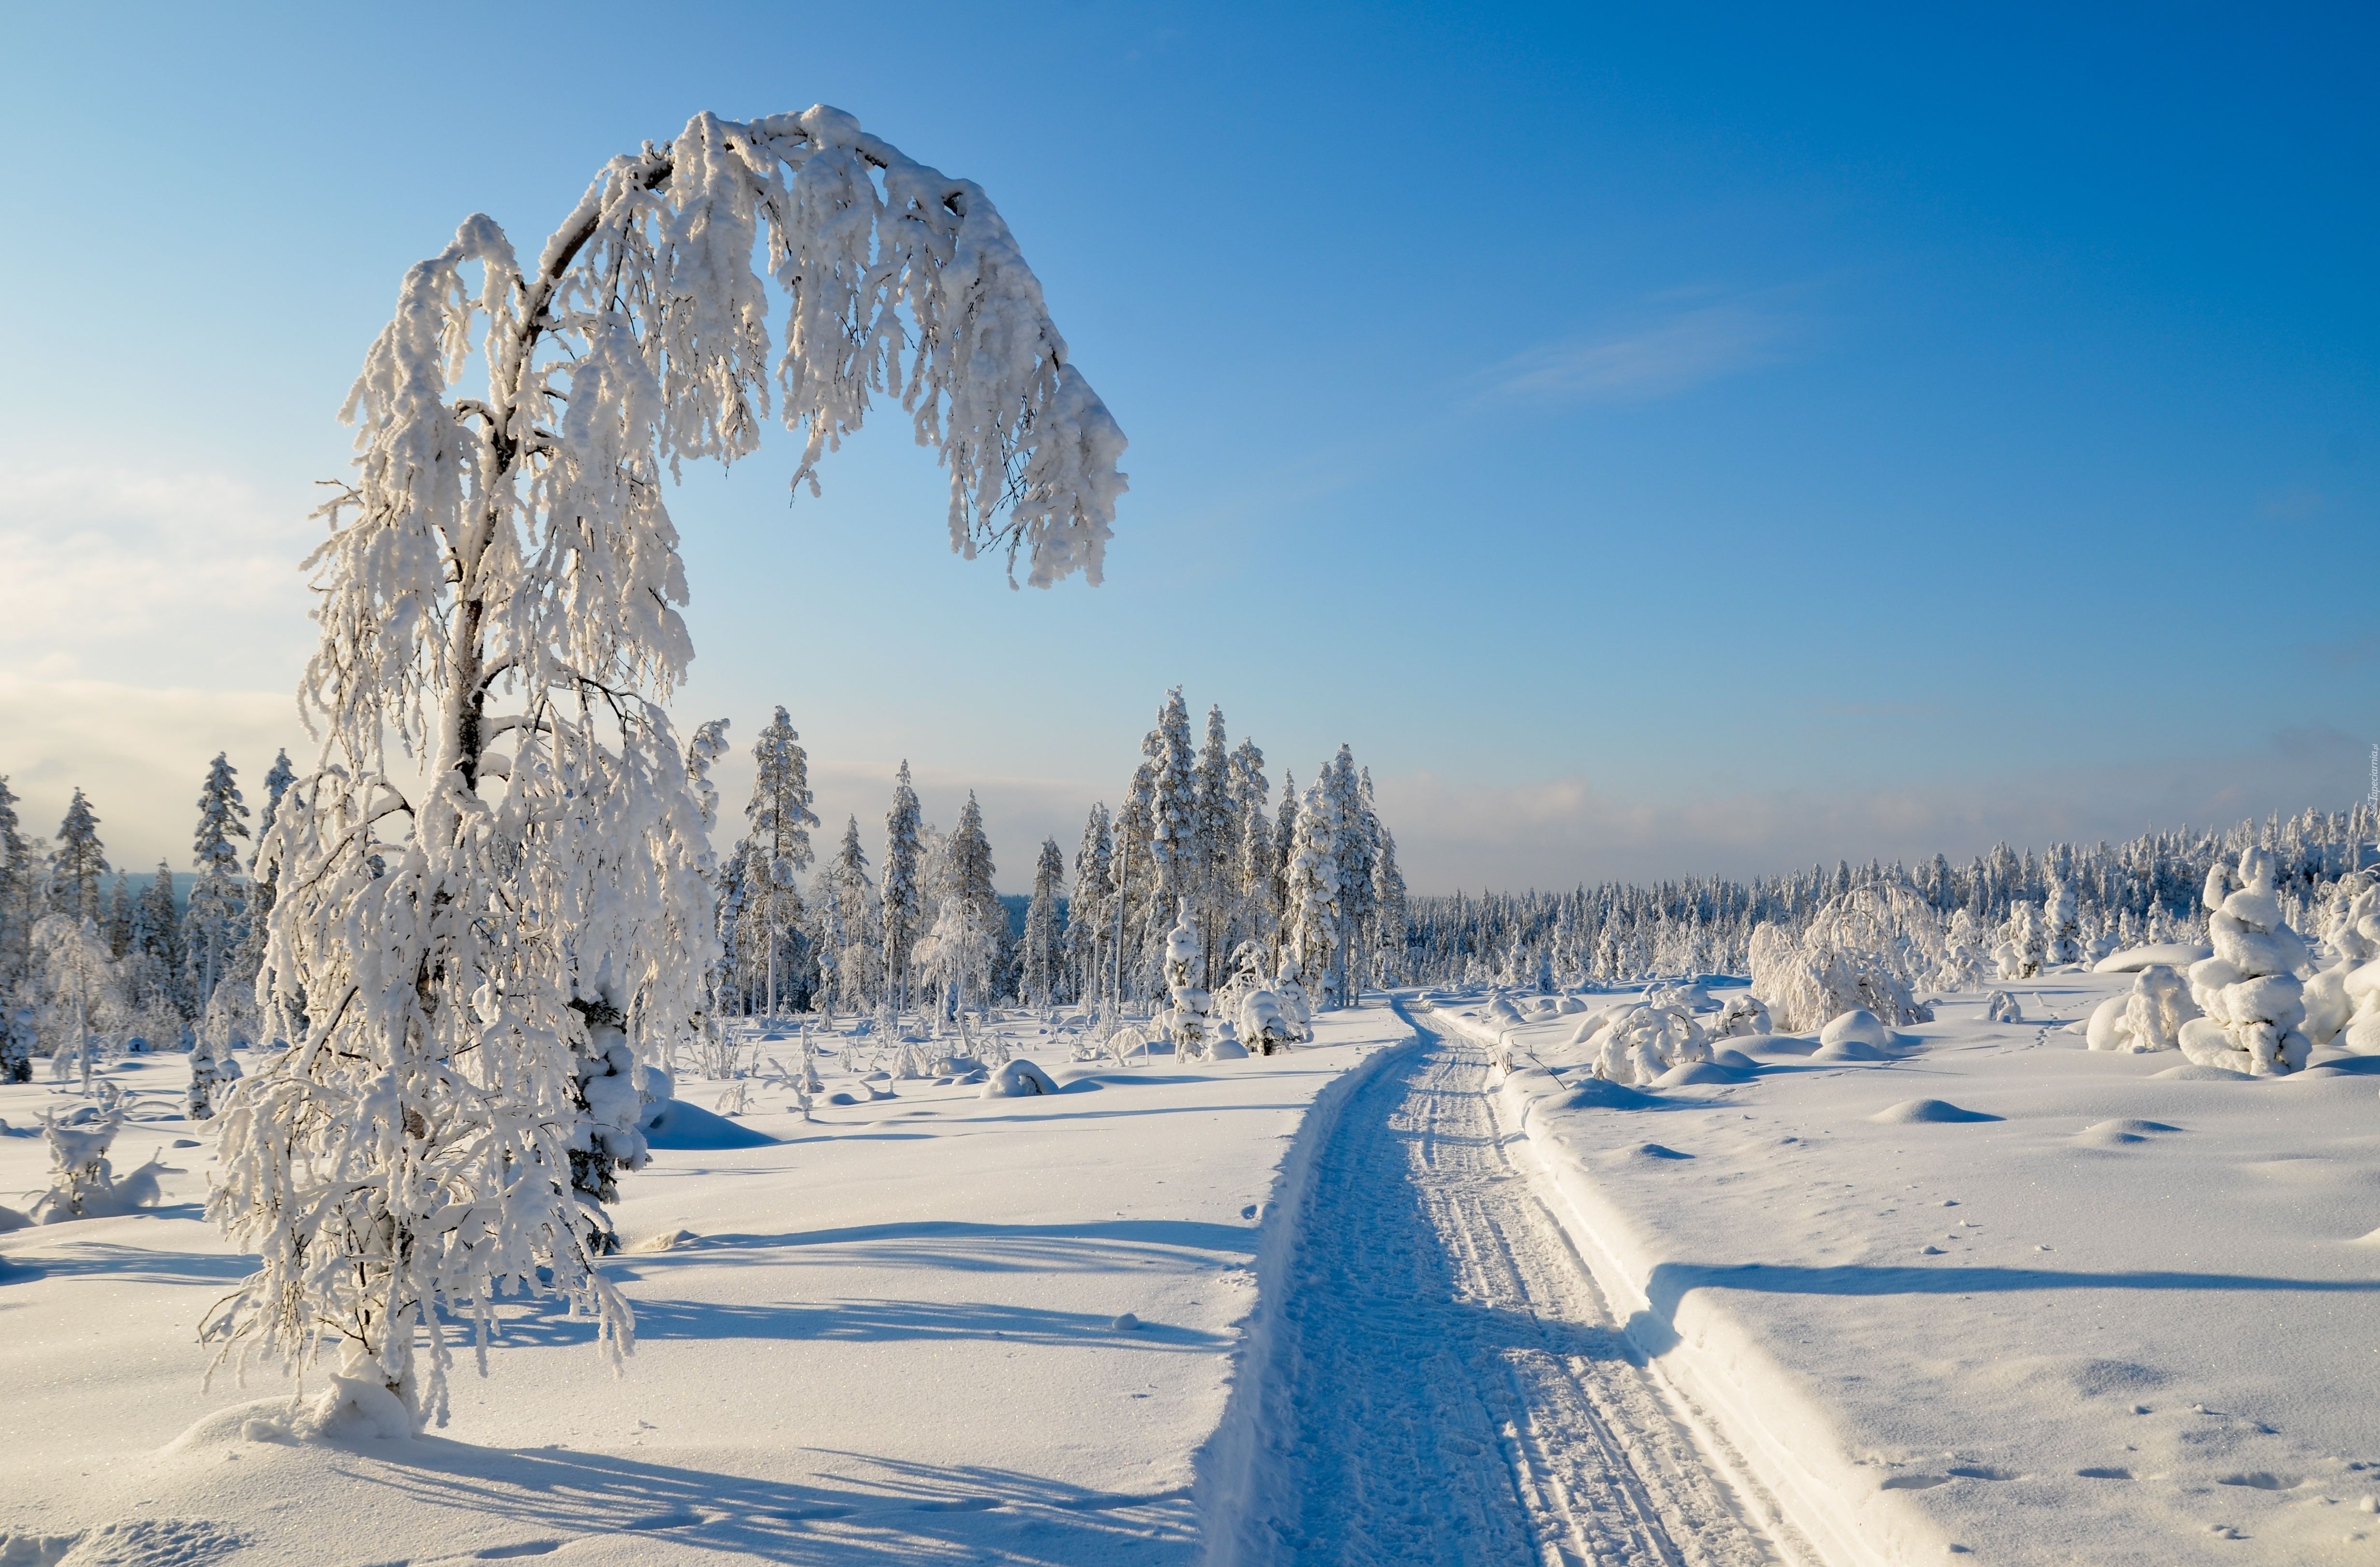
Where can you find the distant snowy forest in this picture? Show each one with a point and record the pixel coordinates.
(907, 915)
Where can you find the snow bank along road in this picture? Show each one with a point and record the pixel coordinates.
(1434, 1377)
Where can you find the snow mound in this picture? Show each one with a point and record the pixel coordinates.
(1736, 1059)
(1920, 1112)
(1688, 1074)
(2197, 1073)
(1018, 1079)
(668, 1240)
(2131, 1126)
(1596, 1093)
(681, 1127)
(2132, 960)
(1848, 1049)
(1858, 1026)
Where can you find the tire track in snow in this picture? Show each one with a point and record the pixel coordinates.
(1445, 1382)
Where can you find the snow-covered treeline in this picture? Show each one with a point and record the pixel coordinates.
(91, 964)
(1306, 882)
(2093, 899)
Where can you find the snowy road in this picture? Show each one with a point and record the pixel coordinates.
(1444, 1383)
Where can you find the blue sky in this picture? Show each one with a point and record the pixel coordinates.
(1658, 442)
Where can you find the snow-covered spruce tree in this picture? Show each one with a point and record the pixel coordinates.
(20, 882)
(2249, 990)
(1388, 901)
(1193, 1030)
(1172, 843)
(968, 947)
(1216, 840)
(857, 956)
(116, 924)
(218, 908)
(500, 592)
(1042, 964)
(1089, 915)
(776, 847)
(2019, 954)
(81, 1000)
(1311, 889)
(77, 863)
(1357, 846)
(901, 907)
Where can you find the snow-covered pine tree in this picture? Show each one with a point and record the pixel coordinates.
(20, 883)
(500, 592)
(117, 924)
(1089, 916)
(213, 924)
(156, 925)
(1357, 847)
(1311, 886)
(857, 958)
(1390, 913)
(1172, 825)
(77, 863)
(902, 906)
(969, 880)
(1215, 826)
(1042, 967)
(1138, 940)
(2062, 931)
(776, 845)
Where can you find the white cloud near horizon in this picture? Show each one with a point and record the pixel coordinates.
(120, 568)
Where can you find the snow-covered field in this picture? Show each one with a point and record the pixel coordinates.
(1994, 1293)
(1986, 1294)
(898, 1333)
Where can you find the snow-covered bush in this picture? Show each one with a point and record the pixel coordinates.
(1291, 992)
(2019, 954)
(1868, 948)
(2342, 1001)
(82, 1183)
(1189, 1023)
(1742, 1015)
(18, 1038)
(2253, 1001)
(500, 593)
(1644, 1041)
(1263, 1026)
(2148, 1017)
(1017, 1078)
(2061, 927)
(2000, 1007)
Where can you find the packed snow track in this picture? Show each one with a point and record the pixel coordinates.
(1440, 1380)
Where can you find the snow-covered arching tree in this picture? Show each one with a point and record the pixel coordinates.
(500, 592)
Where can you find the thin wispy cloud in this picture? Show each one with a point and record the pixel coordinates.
(1663, 353)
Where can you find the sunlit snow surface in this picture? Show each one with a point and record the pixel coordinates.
(890, 1336)
(1999, 1291)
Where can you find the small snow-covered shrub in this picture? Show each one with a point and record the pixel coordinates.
(2061, 927)
(2019, 954)
(1963, 954)
(1295, 1006)
(2342, 1002)
(2148, 1017)
(83, 1183)
(1264, 1028)
(2000, 1007)
(1644, 1041)
(2253, 1001)
(18, 1037)
(1018, 1079)
(1742, 1015)
(1189, 1023)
